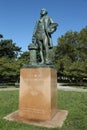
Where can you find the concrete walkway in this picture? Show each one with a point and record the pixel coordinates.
(8, 89)
(65, 88)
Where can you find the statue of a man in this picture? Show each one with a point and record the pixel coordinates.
(42, 35)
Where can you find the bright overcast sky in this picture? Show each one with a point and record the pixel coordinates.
(18, 18)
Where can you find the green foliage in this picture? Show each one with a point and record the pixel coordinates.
(11, 61)
(24, 57)
(74, 102)
(9, 64)
(71, 55)
(1, 36)
(9, 49)
(9, 70)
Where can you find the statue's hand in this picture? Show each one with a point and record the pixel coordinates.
(52, 28)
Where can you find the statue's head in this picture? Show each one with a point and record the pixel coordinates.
(43, 11)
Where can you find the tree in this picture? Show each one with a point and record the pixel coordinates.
(67, 45)
(9, 49)
(71, 55)
(9, 70)
(9, 64)
(1, 36)
(83, 44)
(24, 58)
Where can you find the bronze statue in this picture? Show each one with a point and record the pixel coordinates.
(42, 35)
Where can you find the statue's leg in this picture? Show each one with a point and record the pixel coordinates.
(46, 47)
(50, 43)
(41, 51)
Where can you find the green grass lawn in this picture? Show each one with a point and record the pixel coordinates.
(74, 102)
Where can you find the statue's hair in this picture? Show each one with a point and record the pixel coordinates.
(45, 10)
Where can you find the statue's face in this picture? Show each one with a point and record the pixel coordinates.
(43, 12)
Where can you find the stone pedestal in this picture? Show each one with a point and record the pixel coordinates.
(38, 90)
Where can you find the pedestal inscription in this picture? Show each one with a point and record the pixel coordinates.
(38, 87)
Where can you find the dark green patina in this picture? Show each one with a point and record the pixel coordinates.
(42, 40)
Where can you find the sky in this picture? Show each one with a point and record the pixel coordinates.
(18, 18)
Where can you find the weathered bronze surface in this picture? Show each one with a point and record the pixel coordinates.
(42, 39)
